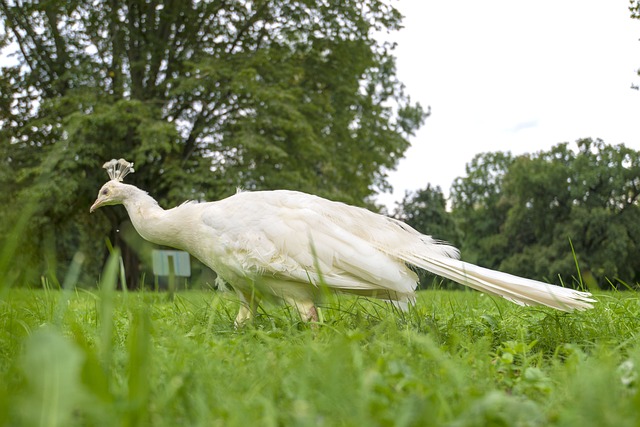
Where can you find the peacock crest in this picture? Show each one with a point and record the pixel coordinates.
(118, 169)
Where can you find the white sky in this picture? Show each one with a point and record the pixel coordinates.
(510, 75)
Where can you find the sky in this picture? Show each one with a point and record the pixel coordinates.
(511, 75)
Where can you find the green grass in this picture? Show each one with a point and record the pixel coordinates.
(108, 358)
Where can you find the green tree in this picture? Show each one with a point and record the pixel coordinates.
(538, 197)
(426, 211)
(203, 96)
(585, 197)
(477, 208)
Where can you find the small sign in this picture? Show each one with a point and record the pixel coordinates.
(164, 261)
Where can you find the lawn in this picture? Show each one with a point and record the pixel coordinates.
(104, 358)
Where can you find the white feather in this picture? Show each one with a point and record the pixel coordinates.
(296, 237)
(286, 244)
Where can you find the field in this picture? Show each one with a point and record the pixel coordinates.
(105, 358)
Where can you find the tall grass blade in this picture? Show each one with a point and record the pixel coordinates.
(107, 296)
(51, 365)
(123, 277)
(139, 346)
(10, 245)
(70, 281)
(575, 259)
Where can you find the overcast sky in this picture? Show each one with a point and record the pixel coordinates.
(515, 76)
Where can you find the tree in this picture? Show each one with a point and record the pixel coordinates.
(584, 197)
(202, 96)
(477, 208)
(426, 211)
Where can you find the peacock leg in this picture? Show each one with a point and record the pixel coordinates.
(306, 309)
(248, 306)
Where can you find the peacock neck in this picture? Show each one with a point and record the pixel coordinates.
(177, 227)
(147, 217)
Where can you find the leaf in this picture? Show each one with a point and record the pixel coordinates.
(52, 368)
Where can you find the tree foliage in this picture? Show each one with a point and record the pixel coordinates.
(426, 211)
(477, 207)
(203, 96)
(530, 215)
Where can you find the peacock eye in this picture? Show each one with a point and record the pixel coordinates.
(105, 192)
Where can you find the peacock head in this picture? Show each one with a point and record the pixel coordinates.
(114, 191)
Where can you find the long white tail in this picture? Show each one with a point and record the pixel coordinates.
(516, 289)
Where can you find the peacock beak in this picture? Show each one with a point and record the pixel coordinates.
(95, 205)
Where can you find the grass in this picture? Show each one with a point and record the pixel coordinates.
(76, 357)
